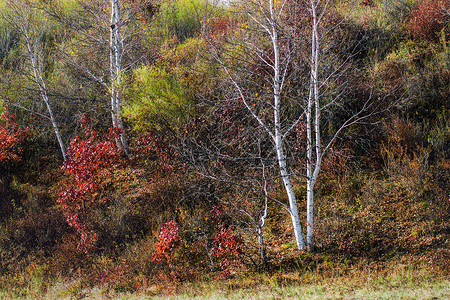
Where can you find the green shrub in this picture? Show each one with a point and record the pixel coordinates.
(8, 40)
(157, 97)
(180, 18)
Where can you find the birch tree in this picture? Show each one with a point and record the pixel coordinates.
(116, 55)
(109, 28)
(260, 66)
(32, 27)
(327, 92)
(265, 16)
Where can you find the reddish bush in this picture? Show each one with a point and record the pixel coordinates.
(169, 240)
(147, 144)
(428, 18)
(217, 27)
(89, 160)
(217, 212)
(66, 257)
(367, 3)
(227, 247)
(10, 136)
(403, 138)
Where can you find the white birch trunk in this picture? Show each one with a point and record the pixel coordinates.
(112, 62)
(281, 157)
(262, 220)
(262, 247)
(33, 54)
(116, 53)
(313, 126)
(309, 166)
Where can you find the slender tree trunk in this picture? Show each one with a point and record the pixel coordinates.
(116, 53)
(21, 19)
(262, 247)
(310, 214)
(313, 124)
(309, 169)
(32, 51)
(281, 157)
(54, 124)
(292, 200)
(262, 220)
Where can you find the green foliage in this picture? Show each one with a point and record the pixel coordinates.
(180, 18)
(8, 40)
(188, 63)
(68, 7)
(439, 135)
(2, 106)
(156, 97)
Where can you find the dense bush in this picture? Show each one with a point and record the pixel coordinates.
(11, 136)
(157, 98)
(89, 162)
(181, 18)
(429, 18)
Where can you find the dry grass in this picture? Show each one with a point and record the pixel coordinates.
(363, 280)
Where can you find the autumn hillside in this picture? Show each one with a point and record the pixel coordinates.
(149, 145)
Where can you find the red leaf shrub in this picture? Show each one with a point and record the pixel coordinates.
(217, 212)
(11, 136)
(367, 3)
(217, 27)
(169, 240)
(227, 247)
(89, 161)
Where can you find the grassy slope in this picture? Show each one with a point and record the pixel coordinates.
(407, 284)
